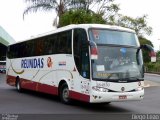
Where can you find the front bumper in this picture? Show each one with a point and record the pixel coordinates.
(102, 97)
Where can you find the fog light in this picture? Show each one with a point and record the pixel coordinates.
(139, 83)
(142, 96)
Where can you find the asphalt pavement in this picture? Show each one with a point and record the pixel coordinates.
(152, 77)
(37, 105)
(151, 80)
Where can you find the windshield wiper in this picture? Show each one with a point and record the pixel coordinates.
(121, 80)
(130, 79)
(125, 80)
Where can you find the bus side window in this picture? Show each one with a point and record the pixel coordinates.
(64, 44)
(20, 52)
(15, 51)
(81, 52)
(69, 42)
(53, 44)
(62, 41)
(49, 44)
(39, 46)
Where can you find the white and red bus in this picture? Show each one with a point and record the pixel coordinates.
(88, 62)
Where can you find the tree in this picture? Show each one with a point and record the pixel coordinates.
(158, 55)
(104, 7)
(138, 24)
(59, 6)
(108, 9)
(80, 16)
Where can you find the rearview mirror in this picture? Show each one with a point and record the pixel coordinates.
(152, 53)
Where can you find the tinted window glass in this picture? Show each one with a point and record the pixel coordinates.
(117, 63)
(81, 52)
(64, 42)
(52, 44)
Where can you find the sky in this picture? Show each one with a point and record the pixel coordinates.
(11, 18)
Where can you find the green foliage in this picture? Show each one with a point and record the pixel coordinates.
(47, 5)
(80, 16)
(105, 8)
(145, 41)
(138, 24)
(108, 9)
(59, 6)
(158, 54)
(153, 67)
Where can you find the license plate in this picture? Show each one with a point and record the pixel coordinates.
(122, 97)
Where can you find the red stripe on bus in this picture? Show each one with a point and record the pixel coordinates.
(79, 96)
(47, 89)
(28, 84)
(35, 86)
(39, 87)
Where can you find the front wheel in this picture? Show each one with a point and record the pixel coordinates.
(64, 94)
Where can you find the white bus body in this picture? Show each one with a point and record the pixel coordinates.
(113, 75)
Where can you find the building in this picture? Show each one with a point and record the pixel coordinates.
(5, 39)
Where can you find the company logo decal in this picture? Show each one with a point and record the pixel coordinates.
(32, 63)
(122, 89)
(49, 62)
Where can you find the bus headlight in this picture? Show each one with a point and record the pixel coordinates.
(99, 89)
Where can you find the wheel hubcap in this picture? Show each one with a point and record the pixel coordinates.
(65, 94)
(18, 87)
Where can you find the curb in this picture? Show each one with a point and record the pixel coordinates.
(153, 74)
(148, 83)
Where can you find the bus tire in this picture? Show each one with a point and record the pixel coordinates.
(105, 103)
(64, 94)
(18, 85)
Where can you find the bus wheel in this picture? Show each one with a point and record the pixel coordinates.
(64, 94)
(18, 85)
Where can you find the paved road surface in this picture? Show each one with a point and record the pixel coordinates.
(35, 103)
(152, 77)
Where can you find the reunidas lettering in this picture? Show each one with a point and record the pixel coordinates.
(32, 63)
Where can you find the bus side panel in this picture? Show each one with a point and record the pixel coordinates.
(66, 70)
(31, 85)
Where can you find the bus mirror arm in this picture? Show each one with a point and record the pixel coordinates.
(147, 47)
(91, 43)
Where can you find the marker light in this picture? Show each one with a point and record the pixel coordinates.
(94, 50)
(94, 53)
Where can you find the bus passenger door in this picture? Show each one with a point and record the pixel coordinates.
(81, 58)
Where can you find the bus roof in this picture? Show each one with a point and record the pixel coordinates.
(85, 26)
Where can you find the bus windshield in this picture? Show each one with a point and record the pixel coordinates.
(118, 58)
